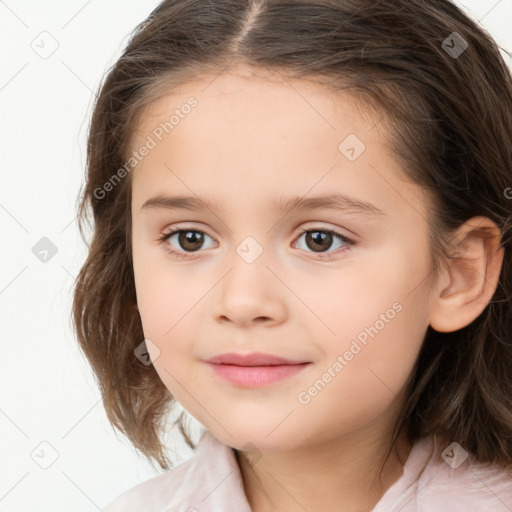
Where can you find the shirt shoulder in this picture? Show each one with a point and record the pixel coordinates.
(209, 481)
(440, 476)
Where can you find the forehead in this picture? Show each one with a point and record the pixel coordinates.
(262, 100)
(259, 131)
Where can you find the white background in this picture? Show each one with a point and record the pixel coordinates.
(48, 393)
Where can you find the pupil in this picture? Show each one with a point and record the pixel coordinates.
(190, 237)
(318, 237)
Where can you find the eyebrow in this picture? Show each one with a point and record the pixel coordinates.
(340, 202)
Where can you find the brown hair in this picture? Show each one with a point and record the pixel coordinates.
(450, 117)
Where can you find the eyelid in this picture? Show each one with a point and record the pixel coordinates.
(307, 226)
(179, 227)
(317, 225)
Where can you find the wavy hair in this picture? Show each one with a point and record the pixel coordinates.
(449, 110)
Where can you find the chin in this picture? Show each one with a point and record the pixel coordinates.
(255, 439)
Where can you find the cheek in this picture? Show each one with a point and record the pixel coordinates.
(371, 379)
(370, 290)
(166, 292)
(378, 316)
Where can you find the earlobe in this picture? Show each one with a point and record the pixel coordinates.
(473, 276)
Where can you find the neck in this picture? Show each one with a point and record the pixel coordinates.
(340, 474)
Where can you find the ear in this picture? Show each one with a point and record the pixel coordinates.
(471, 277)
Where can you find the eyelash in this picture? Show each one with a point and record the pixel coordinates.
(165, 236)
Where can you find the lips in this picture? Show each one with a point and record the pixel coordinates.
(254, 370)
(254, 359)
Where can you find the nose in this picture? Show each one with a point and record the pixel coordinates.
(250, 293)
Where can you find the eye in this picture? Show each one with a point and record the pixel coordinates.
(318, 239)
(190, 241)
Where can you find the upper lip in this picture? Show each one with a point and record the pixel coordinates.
(253, 359)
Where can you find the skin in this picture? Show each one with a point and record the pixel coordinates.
(251, 140)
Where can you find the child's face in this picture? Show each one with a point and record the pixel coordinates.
(248, 145)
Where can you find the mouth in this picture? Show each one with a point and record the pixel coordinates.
(255, 370)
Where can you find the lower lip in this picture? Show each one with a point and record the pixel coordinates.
(256, 376)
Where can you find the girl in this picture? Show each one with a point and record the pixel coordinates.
(230, 141)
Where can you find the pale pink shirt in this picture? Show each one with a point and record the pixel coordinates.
(210, 481)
